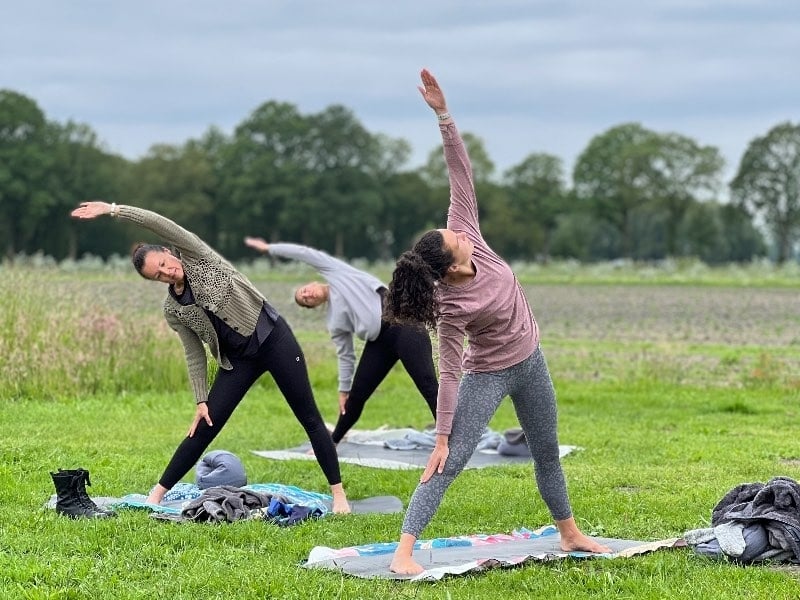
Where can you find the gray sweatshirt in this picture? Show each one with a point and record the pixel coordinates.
(354, 304)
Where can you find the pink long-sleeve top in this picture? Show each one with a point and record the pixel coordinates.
(491, 311)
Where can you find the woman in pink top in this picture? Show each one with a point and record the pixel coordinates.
(452, 281)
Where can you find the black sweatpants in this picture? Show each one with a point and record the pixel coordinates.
(409, 344)
(281, 355)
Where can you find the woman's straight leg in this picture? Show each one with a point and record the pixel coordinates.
(413, 346)
(534, 402)
(287, 365)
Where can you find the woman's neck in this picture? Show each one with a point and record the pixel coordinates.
(461, 276)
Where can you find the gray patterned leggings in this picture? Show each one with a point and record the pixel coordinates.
(479, 394)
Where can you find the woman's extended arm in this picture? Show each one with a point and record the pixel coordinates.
(185, 241)
(321, 261)
(463, 212)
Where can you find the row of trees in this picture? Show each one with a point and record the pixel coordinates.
(324, 180)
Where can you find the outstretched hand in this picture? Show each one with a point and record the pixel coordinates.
(91, 210)
(431, 92)
(257, 243)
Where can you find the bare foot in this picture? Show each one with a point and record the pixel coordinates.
(341, 506)
(585, 544)
(405, 566)
(156, 494)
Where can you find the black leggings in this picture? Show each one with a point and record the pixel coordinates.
(409, 344)
(281, 355)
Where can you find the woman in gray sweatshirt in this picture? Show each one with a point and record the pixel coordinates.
(209, 302)
(355, 300)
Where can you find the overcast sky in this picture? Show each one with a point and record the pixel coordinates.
(524, 75)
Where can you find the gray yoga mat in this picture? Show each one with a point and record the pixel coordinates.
(373, 505)
(459, 560)
(379, 457)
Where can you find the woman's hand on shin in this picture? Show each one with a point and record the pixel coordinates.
(343, 397)
(437, 459)
(201, 414)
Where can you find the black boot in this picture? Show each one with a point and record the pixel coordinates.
(86, 500)
(68, 500)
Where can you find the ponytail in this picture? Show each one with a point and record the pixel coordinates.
(412, 290)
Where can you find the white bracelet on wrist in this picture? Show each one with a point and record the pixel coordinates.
(444, 116)
(114, 209)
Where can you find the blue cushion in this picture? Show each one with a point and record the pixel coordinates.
(220, 467)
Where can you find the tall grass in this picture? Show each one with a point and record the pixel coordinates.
(66, 338)
(98, 328)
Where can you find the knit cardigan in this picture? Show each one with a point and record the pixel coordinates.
(217, 287)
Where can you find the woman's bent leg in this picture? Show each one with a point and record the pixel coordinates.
(227, 391)
(375, 363)
(479, 395)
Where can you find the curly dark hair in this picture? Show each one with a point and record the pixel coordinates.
(412, 290)
(140, 251)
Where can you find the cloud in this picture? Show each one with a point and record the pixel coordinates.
(526, 76)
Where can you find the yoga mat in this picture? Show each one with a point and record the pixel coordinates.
(470, 554)
(373, 505)
(135, 501)
(370, 455)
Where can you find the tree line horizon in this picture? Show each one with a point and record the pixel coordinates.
(322, 179)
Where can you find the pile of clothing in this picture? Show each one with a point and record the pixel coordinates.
(227, 503)
(753, 522)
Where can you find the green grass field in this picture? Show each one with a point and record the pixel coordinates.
(676, 392)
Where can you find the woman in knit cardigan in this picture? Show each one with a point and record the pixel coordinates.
(210, 302)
